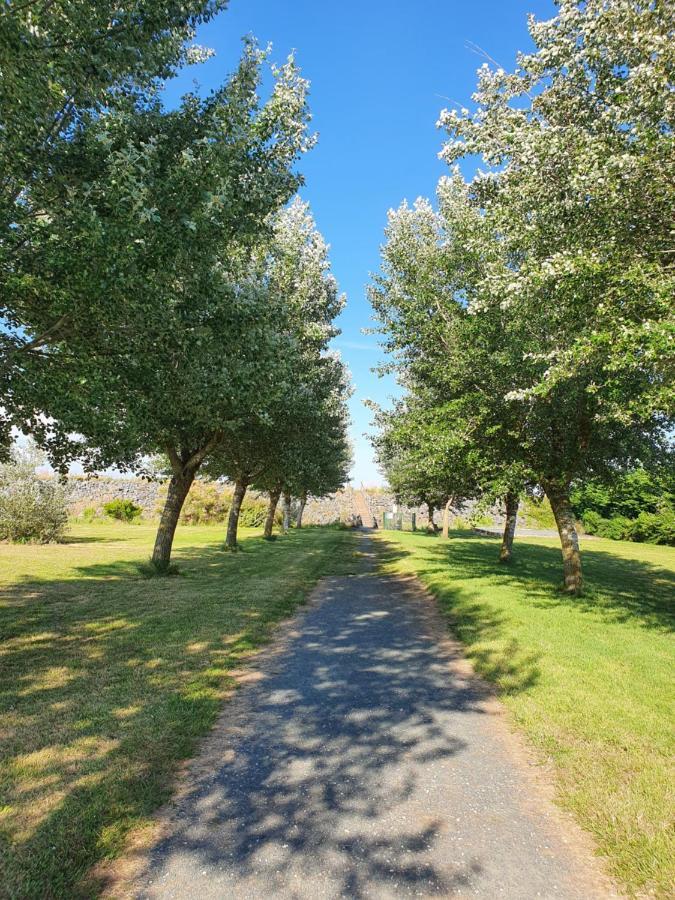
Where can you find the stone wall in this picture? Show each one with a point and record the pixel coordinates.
(83, 492)
(339, 507)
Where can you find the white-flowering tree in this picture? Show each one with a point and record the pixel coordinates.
(269, 450)
(566, 266)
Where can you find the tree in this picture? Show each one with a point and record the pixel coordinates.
(454, 421)
(63, 65)
(270, 451)
(561, 252)
(172, 338)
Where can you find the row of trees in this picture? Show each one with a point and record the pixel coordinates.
(158, 293)
(529, 314)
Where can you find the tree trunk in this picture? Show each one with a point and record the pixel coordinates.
(446, 519)
(431, 528)
(301, 509)
(240, 486)
(179, 487)
(287, 512)
(512, 501)
(564, 517)
(271, 511)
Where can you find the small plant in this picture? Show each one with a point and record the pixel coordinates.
(90, 514)
(122, 510)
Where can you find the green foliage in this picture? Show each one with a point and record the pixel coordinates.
(32, 509)
(629, 493)
(655, 528)
(206, 503)
(538, 513)
(253, 513)
(650, 528)
(122, 510)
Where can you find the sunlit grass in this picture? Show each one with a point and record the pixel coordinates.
(107, 679)
(590, 680)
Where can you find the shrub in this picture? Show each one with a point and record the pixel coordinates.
(89, 514)
(206, 504)
(591, 521)
(254, 512)
(655, 528)
(618, 528)
(32, 509)
(123, 510)
(538, 513)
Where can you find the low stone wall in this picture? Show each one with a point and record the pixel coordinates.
(83, 492)
(339, 507)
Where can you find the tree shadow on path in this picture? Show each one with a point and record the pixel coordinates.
(321, 772)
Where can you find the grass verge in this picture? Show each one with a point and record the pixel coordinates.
(588, 679)
(108, 679)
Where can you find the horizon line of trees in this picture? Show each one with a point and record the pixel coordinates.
(529, 314)
(163, 290)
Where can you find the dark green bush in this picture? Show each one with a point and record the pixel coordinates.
(591, 520)
(618, 528)
(655, 528)
(123, 510)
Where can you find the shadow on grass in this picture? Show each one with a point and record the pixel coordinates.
(107, 681)
(616, 588)
(470, 618)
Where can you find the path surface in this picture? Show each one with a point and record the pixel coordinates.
(366, 763)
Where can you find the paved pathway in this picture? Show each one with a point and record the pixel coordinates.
(366, 763)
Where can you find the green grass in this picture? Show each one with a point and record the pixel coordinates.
(108, 679)
(590, 680)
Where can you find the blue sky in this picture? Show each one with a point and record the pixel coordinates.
(380, 73)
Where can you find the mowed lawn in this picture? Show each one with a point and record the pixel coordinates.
(108, 679)
(590, 680)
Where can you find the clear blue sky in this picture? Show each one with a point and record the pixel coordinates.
(380, 73)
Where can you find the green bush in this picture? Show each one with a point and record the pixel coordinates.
(123, 510)
(254, 512)
(538, 513)
(618, 528)
(655, 528)
(32, 509)
(591, 520)
(206, 504)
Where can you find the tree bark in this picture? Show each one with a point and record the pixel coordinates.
(506, 551)
(431, 528)
(301, 509)
(446, 518)
(560, 504)
(287, 512)
(271, 511)
(179, 487)
(240, 487)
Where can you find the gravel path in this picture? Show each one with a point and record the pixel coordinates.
(366, 761)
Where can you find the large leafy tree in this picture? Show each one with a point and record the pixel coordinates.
(172, 338)
(61, 65)
(269, 450)
(567, 268)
